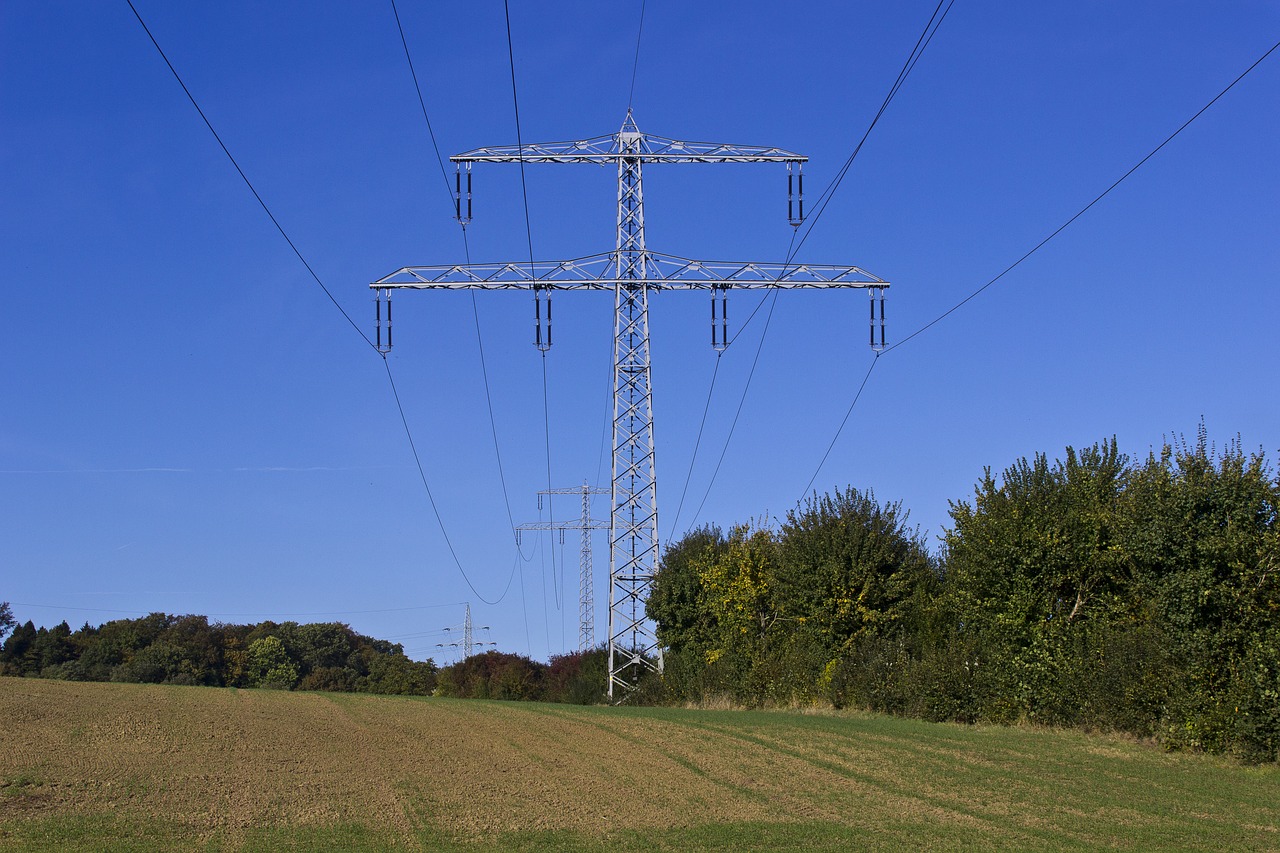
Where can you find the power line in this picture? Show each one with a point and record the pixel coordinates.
(1039, 246)
(844, 421)
(636, 64)
(706, 407)
(515, 103)
(926, 36)
(385, 362)
(528, 233)
(444, 175)
(922, 42)
(734, 425)
(475, 310)
(1084, 209)
(245, 178)
(431, 498)
(824, 198)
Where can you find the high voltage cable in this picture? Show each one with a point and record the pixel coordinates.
(1042, 243)
(839, 429)
(245, 178)
(515, 103)
(707, 407)
(1084, 209)
(926, 36)
(768, 318)
(444, 175)
(696, 444)
(385, 362)
(824, 198)
(528, 233)
(635, 65)
(475, 310)
(431, 498)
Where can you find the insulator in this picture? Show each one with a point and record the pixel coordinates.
(790, 198)
(537, 335)
(377, 320)
(720, 336)
(882, 318)
(713, 318)
(459, 195)
(872, 324)
(386, 294)
(538, 341)
(795, 194)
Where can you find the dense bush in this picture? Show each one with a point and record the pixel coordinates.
(1091, 591)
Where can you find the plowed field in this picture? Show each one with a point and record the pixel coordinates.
(86, 766)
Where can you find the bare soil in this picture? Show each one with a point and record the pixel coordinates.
(214, 764)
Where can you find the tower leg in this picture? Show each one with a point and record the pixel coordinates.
(633, 552)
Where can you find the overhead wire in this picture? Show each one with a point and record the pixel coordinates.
(917, 50)
(635, 65)
(528, 232)
(246, 180)
(329, 294)
(824, 198)
(431, 497)
(475, 310)
(1086, 208)
(1043, 242)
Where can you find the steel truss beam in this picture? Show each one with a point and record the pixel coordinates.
(653, 270)
(586, 580)
(631, 271)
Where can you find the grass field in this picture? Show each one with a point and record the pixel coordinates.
(140, 767)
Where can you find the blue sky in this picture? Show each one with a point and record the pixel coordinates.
(189, 425)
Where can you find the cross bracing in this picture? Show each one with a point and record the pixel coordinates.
(656, 271)
(613, 148)
(631, 272)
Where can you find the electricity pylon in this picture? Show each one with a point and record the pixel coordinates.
(586, 595)
(631, 271)
(469, 644)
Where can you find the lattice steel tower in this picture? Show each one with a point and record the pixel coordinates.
(586, 580)
(632, 272)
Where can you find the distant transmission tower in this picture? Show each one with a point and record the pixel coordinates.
(585, 523)
(469, 644)
(631, 271)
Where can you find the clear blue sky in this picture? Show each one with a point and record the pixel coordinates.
(189, 425)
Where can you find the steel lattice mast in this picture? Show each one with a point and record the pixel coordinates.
(631, 271)
(586, 582)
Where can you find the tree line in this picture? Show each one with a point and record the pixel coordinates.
(190, 650)
(1096, 591)
(1093, 591)
(330, 656)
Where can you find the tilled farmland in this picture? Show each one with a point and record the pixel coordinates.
(214, 767)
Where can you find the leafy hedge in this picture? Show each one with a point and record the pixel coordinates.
(1093, 591)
